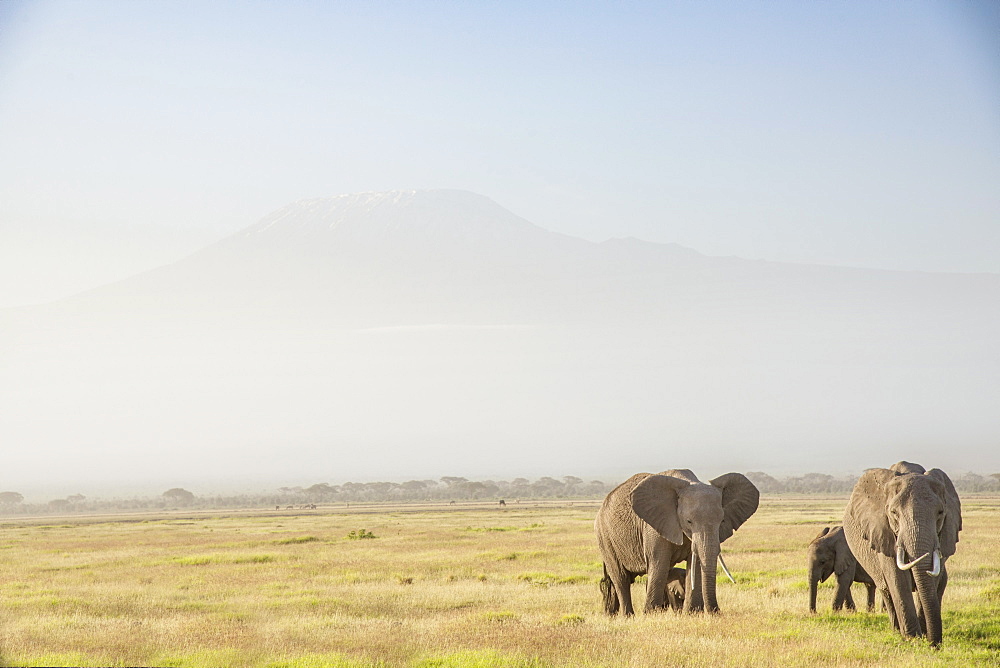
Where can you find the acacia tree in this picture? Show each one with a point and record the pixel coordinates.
(59, 505)
(180, 496)
(322, 491)
(10, 498)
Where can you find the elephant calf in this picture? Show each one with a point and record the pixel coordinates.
(829, 554)
(676, 579)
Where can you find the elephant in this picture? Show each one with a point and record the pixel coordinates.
(902, 527)
(907, 467)
(651, 522)
(829, 554)
(675, 588)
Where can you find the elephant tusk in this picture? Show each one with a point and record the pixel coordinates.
(726, 570)
(936, 568)
(900, 557)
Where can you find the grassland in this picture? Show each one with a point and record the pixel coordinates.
(442, 586)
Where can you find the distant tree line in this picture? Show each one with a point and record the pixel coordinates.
(447, 488)
(821, 483)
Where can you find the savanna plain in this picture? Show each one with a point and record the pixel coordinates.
(443, 585)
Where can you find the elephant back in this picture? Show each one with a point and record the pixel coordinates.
(617, 505)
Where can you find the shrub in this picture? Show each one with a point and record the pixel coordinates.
(360, 534)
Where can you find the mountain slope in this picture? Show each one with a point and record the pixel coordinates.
(409, 334)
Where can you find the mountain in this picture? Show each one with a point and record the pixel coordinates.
(408, 334)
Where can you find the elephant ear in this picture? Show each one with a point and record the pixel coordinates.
(866, 510)
(740, 499)
(654, 500)
(683, 474)
(948, 536)
(844, 559)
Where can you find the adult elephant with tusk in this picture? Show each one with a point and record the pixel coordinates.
(651, 522)
(902, 524)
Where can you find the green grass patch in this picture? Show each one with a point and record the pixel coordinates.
(530, 527)
(479, 659)
(501, 617)
(571, 620)
(548, 579)
(206, 559)
(50, 659)
(216, 658)
(508, 556)
(977, 628)
(992, 592)
(296, 540)
(874, 624)
(324, 661)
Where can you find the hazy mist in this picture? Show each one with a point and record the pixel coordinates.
(418, 334)
(505, 240)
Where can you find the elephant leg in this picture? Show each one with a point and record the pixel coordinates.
(843, 593)
(694, 600)
(656, 586)
(901, 585)
(622, 583)
(890, 607)
(920, 615)
(870, 586)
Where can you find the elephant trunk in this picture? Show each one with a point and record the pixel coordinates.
(925, 570)
(813, 586)
(901, 562)
(708, 558)
(927, 590)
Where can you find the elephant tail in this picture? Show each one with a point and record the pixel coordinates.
(609, 594)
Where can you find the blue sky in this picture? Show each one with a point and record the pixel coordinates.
(863, 134)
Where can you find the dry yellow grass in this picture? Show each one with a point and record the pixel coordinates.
(444, 586)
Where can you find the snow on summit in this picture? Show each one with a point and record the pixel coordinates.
(453, 214)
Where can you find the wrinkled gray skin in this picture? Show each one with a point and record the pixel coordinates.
(830, 554)
(897, 518)
(651, 522)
